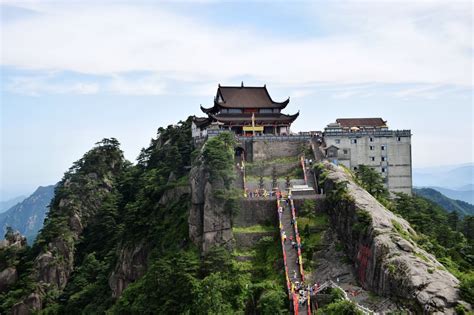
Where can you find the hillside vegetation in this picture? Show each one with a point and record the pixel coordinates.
(448, 204)
(105, 209)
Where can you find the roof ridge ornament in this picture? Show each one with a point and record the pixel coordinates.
(242, 84)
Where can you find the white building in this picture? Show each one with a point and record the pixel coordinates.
(368, 141)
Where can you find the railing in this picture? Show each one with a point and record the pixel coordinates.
(291, 137)
(375, 133)
(276, 138)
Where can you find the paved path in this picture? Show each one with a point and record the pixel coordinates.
(291, 252)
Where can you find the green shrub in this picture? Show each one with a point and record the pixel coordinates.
(341, 307)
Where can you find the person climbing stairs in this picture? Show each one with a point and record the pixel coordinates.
(291, 246)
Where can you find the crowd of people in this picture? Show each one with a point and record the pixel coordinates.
(298, 291)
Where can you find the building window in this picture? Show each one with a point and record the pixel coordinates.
(383, 158)
(235, 110)
(344, 151)
(338, 141)
(371, 139)
(399, 139)
(371, 147)
(266, 110)
(354, 141)
(383, 169)
(382, 148)
(372, 158)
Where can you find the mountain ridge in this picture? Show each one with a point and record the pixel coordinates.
(448, 204)
(7, 204)
(27, 216)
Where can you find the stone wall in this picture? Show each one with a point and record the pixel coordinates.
(387, 260)
(256, 211)
(281, 169)
(264, 150)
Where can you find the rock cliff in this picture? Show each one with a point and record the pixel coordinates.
(78, 198)
(210, 223)
(13, 243)
(382, 247)
(132, 261)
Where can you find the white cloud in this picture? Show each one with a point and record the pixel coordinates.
(420, 42)
(37, 85)
(146, 85)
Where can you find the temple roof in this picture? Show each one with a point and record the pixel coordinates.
(201, 121)
(361, 122)
(259, 118)
(244, 97)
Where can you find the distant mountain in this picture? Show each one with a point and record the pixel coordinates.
(446, 203)
(464, 195)
(7, 204)
(452, 177)
(466, 187)
(27, 216)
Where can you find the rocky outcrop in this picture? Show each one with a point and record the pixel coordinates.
(13, 240)
(132, 260)
(8, 276)
(131, 265)
(381, 244)
(54, 265)
(78, 199)
(173, 194)
(51, 269)
(31, 304)
(210, 223)
(13, 243)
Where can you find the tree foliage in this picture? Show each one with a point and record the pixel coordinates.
(371, 181)
(119, 207)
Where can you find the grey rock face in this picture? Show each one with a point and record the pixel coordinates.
(31, 304)
(209, 222)
(51, 271)
(387, 260)
(173, 194)
(8, 277)
(13, 240)
(131, 265)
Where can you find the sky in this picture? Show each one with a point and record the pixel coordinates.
(75, 72)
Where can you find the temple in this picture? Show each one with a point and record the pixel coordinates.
(247, 111)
